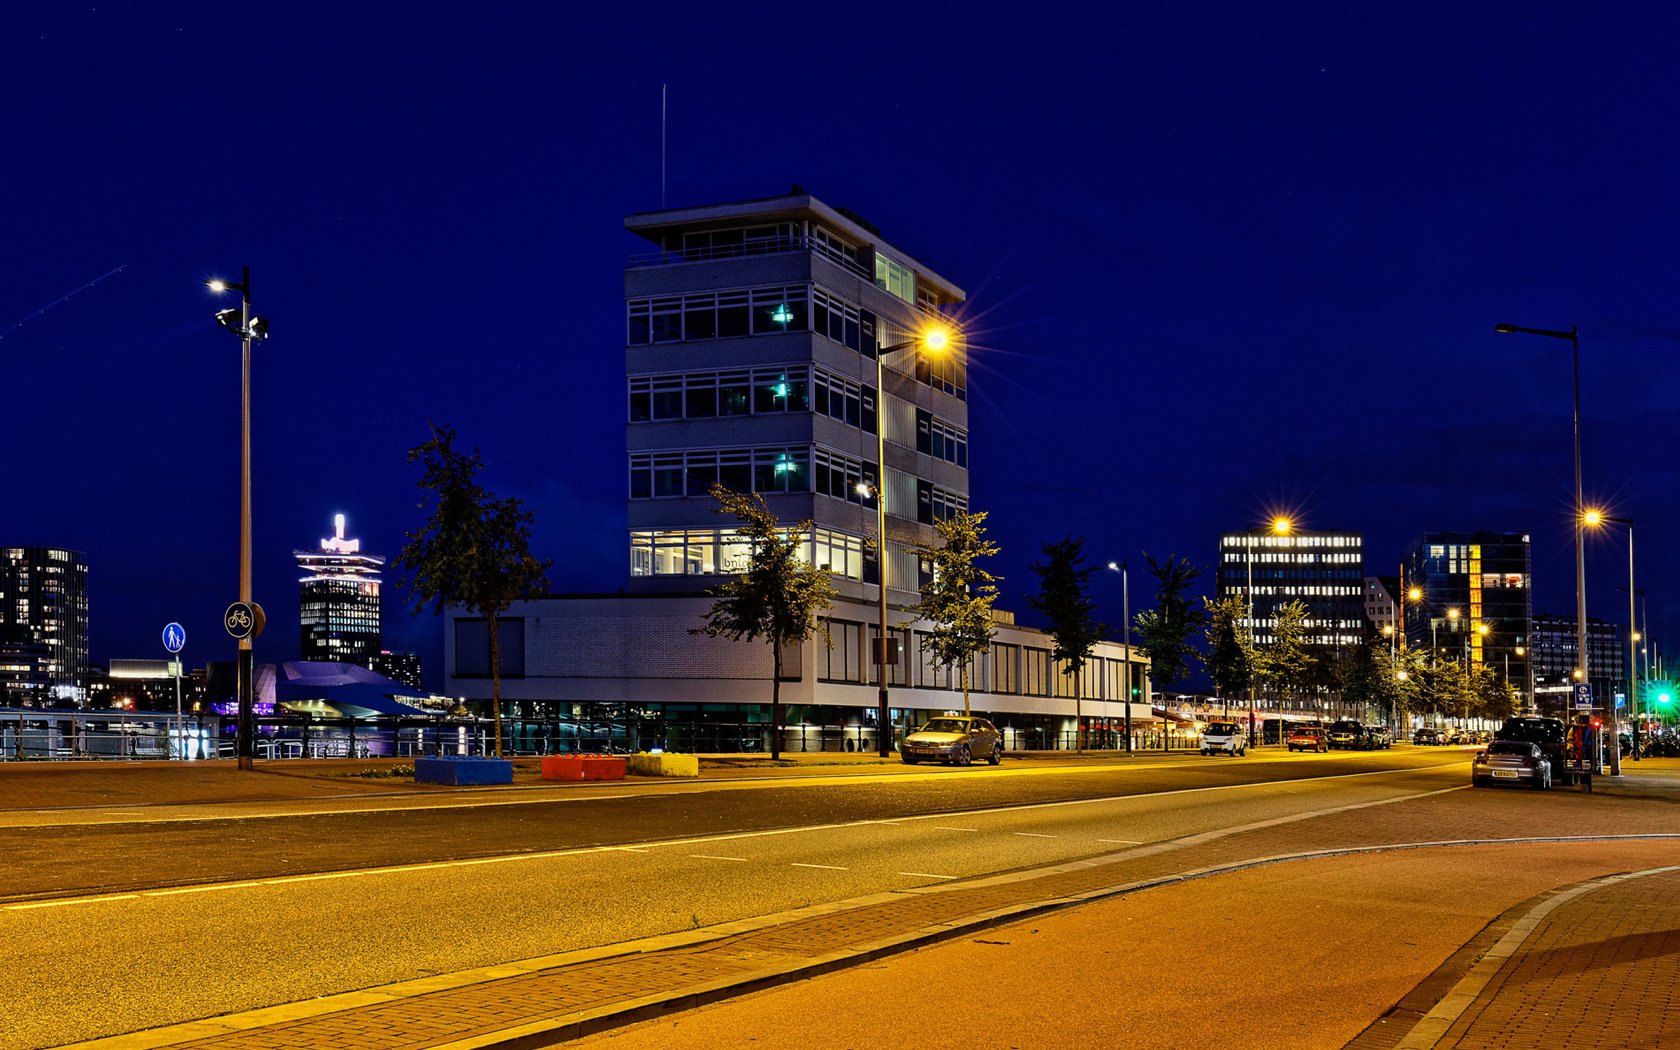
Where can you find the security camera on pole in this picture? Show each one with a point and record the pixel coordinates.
(244, 618)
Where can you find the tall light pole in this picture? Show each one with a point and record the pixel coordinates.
(1280, 527)
(1126, 628)
(1574, 337)
(934, 339)
(247, 328)
(1595, 518)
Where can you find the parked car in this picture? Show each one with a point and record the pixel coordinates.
(1307, 738)
(1546, 733)
(1379, 737)
(1224, 738)
(1514, 761)
(958, 740)
(1348, 734)
(1428, 737)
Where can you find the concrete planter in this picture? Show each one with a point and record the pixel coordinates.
(663, 765)
(583, 767)
(462, 772)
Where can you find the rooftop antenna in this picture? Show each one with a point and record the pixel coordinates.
(662, 88)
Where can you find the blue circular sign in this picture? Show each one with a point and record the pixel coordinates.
(174, 637)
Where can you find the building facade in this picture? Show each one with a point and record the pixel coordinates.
(1382, 604)
(1323, 570)
(399, 667)
(1556, 642)
(44, 622)
(338, 600)
(754, 335)
(1474, 599)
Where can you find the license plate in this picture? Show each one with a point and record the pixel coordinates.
(1505, 773)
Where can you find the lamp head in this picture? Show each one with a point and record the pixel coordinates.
(1281, 526)
(258, 328)
(217, 285)
(228, 319)
(936, 339)
(1452, 614)
(1504, 329)
(1415, 593)
(1592, 517)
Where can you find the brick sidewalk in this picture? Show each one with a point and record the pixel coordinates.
(1597, 971)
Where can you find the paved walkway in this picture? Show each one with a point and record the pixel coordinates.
(1588, 940)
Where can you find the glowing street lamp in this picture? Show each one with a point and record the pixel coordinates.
(934, 339)
(1595, 518)
(247, 328)
(1280, 527)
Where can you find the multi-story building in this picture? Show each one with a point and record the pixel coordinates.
(1474, 601)
(398, 667)
(1382, 604)
(44, 620)
(1555, 647)
(1323, 570)
(754, 332)
(143, 685)
(338, 600)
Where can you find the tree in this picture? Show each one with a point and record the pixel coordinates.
(1283, 661)
(1064, 582)
(958, 600)
(777, 597)
(1230, 658)
(1166, 629)
(1495, 698)
(474, 551)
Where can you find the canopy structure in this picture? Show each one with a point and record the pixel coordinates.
(332, 689)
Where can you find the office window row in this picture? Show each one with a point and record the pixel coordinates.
(706, 395)
(935, 437)
(934, 504)
(668, 475)
(715, 552)
(718, 315)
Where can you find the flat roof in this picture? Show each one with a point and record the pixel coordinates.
(650, 224)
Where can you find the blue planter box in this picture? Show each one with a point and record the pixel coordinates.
(463, 771)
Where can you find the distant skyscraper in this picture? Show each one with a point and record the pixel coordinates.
(1471, 581)
(1555, 662)
(398, 667)
(44, 618)
(1323, 570)
(338, 605)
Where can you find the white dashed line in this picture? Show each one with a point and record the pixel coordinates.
(1035, 835)
(825, 867)
(82, 900)
(1124, 842)
(703, 856)
(925, 875)
(942, 827)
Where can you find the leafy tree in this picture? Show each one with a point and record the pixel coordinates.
(1166, 629)
(958, 600)
(474, 551)
(1064, 599)
(1230, 658)
(1495, 698)
(1283, 661)
(1360, 677)
(778, 596)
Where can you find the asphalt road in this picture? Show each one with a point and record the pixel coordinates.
(104, 851)
(214, 917)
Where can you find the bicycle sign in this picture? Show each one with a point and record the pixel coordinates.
(241, 619)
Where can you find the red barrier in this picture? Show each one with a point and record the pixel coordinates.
(583, 767)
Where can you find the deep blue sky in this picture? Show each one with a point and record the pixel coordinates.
(1221, 260)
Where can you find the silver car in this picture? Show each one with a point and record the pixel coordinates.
(1512, 761)
(954, 738)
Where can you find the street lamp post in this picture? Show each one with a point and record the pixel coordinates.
(1280, 527)
(935, 340)
(248, 328)
(1126, 629)
(1595, 518)
(1574, 337)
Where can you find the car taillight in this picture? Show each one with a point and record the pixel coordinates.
(1481, 758)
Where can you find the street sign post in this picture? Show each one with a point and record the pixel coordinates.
(1583, 697)
(174, 640)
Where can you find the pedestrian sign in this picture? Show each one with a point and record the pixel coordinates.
(174, 637)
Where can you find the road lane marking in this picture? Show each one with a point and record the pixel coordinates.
(733, 836)
(73, 900)
(705, 856)
(925, 875)
(825, 867)
(1035, 835)
(1124, 842)
(947, 827)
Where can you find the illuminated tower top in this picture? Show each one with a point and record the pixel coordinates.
(338, 603)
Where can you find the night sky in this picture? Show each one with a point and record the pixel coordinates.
(1223, 260)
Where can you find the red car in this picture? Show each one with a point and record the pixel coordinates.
(1307, 738)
